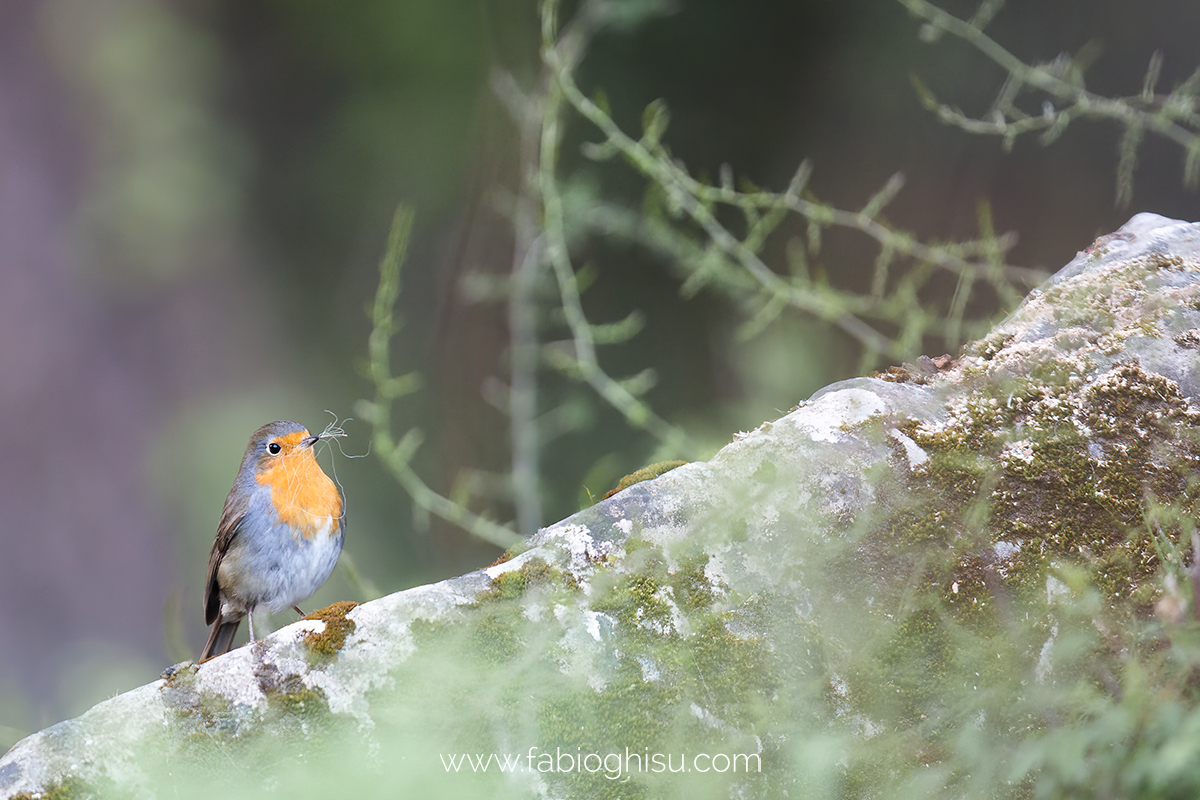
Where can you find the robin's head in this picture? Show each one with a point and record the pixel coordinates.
(277, 444)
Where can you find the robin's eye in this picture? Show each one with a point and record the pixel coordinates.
(273, 448)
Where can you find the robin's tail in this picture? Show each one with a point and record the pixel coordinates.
(220, 640)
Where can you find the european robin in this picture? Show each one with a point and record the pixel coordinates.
(279, 537)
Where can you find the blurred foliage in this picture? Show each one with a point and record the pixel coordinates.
(711, 238)
(1064, 97)
(397, 453)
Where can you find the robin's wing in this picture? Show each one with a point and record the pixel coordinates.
(227, 530)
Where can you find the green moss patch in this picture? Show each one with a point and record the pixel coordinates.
(1044, 470)
(337, 627)
(644, 474)
(536, 572)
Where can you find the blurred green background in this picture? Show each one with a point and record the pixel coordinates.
(194, 197)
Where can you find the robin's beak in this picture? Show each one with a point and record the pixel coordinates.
(309, 441)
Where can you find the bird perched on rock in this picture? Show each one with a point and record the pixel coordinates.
(280, 533)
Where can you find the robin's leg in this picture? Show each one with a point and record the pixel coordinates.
(298, 611)
(250, 623)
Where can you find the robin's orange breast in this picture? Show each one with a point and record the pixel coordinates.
(303, 495)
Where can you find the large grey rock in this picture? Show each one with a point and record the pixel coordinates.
(878, 594)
